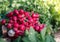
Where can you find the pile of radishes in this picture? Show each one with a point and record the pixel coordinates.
(20, 20)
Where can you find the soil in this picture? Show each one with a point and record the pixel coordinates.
(57, 36)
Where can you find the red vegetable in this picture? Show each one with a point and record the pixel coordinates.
(16, 12)
(20, 20)
(35, 15)
(15, 25)
(3, 21)
(14, 18)
(21, 11)
(9, 25)
(22, 27)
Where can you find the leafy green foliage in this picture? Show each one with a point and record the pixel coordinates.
(25, 39)
(17, 39)
(2, 40)
(49, 38)
(33, 36)
(43, 33)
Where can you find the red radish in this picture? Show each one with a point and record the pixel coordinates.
(14, 18)
(20, 16)
(18, 32)
(27, 24)
(9, 25)
(16, 12)
(21, 11)
(35, 15)
(22, 27)
(10, 14)
(20, 20)
(35, 19)
(3, 21)
(15, 29)
(37, 28)
(29, 17)
(42, 26)
(27, 14)
(31, 20)
(11, 21)
(21, 33)
(15, 25)
(10, 18)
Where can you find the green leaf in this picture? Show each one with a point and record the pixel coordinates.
(26, 33)
(52, 39)
(25, 39)
(49, 38)
(32, 35)
(17, 40)
(43, 32)
(2, 40)
(10, 1)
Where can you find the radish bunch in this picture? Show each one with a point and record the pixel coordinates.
(20, 20)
